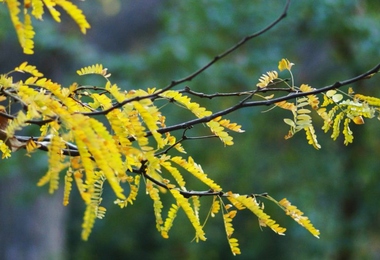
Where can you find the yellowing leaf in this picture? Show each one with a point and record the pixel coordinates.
(93, 69)
(348, 135)
(185, 205)
(215, 207)
(38, 9)
(233, 242)
(297, 215)
(358, 120)
(25, 31)
(253, 206)
(330, 93)
(88, 221)
(232, 126)
(5, 150)
(195, 169)
(75, 13)
(286, 105)
(169, 220)
(266, 79)
(290, 122)
(218, 130)
(67, 188)
(337, 97)
(311, 137)
(26, 68)
(285, 64)
(312, 99)
(31, 146)
(373, 101)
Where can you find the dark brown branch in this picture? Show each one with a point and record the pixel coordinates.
(71, 151)
(215, 95)
(336, 85)
(230, 50)
(186, 194)
(184, 138)
(33, 122)
(200, 70)
(174, 82)
(245, 103)
(44, 142)
(269, 88)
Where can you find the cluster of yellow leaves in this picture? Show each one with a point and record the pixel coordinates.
(94, 69)
(21, 13)
(242, 202)
(334, 109)
(352, 109)
(169, 221)
(112, 151)
(196, 170)
(130, 145)
(190, 213)
(251, 203)
(233, 242)
(266, 79)
(108, 152)
(217, 126)
(56, 164)
(6, 152)
(298, 216)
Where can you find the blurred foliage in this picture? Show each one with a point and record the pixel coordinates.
(337, 186)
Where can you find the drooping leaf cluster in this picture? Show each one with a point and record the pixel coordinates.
(21, 13)
(337, 107)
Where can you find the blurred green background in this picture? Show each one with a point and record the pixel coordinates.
(148, 43)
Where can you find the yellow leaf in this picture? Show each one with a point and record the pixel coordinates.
(67, 188)
(265, 79)
(26, 68)
(286, 105)
(93, 69)
(311, 137)
(185, 205)
(358, 120)
(251, 204)
(289, 122)
(297, 215)
(337, 97)
(330, 93)
(285, 64)
(75, 13)
(38, 9)
(348, 135)
(373, 101)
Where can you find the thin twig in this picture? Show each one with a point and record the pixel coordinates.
(245, 103)
(230, 50)
(200, 70)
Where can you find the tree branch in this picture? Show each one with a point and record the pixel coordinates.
(200, 70)
(230, 50)
(243, 103)
(336, 85)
